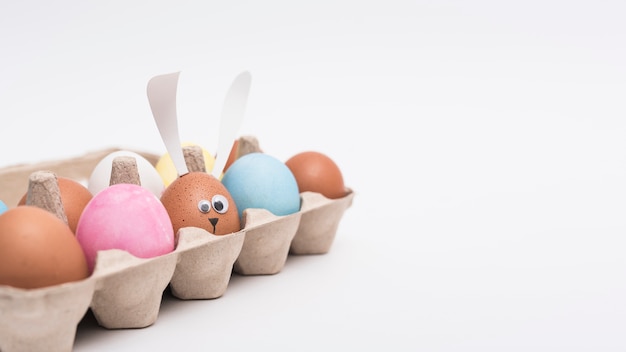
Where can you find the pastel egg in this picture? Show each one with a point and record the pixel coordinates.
(149, 177)
(167, 171)
(197, 199)
(3, 207)
(127, 217)
(259, 180)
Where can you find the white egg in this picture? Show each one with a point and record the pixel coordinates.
(149, 177)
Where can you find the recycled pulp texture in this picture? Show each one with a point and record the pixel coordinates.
(125, 291)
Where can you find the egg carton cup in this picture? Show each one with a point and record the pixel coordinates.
(129, 290)
(43, 319)
(205, 263)
(266, 244)
(320, 218)
(125, 292)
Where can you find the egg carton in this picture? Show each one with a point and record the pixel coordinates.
(125, 291)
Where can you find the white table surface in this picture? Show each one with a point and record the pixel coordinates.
(485, 141)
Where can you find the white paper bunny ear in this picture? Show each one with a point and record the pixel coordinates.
(162, 97)
(233, 111)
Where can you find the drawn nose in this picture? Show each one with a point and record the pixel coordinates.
(213, 222)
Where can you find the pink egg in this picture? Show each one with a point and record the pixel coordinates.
(127, 217)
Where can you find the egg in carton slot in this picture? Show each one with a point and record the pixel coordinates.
(124, 290)
(200, 267)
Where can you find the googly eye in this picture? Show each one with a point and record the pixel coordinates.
(220, 203)
(204, 206)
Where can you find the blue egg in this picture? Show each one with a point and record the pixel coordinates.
(258, 180)
(3, 207)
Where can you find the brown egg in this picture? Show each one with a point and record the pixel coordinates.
(232, 156)
(74, 197)
(198, 199)
(316, 172)
(242, 146)
(37, 249)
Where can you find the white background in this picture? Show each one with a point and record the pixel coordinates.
(485, 141)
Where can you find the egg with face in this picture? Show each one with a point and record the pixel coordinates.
(198, 199)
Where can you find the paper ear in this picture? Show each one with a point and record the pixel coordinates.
(161, 92)
(233, 112)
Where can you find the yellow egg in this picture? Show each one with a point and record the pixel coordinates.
(165, 165)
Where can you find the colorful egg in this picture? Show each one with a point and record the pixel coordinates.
(259, 180)
(127, 217)
(167, 171)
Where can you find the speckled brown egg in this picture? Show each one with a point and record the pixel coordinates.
(316, 172)
(198, 199)
(37, 249)
(74, 197)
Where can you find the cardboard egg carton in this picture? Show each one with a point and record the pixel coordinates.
(126, 292)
